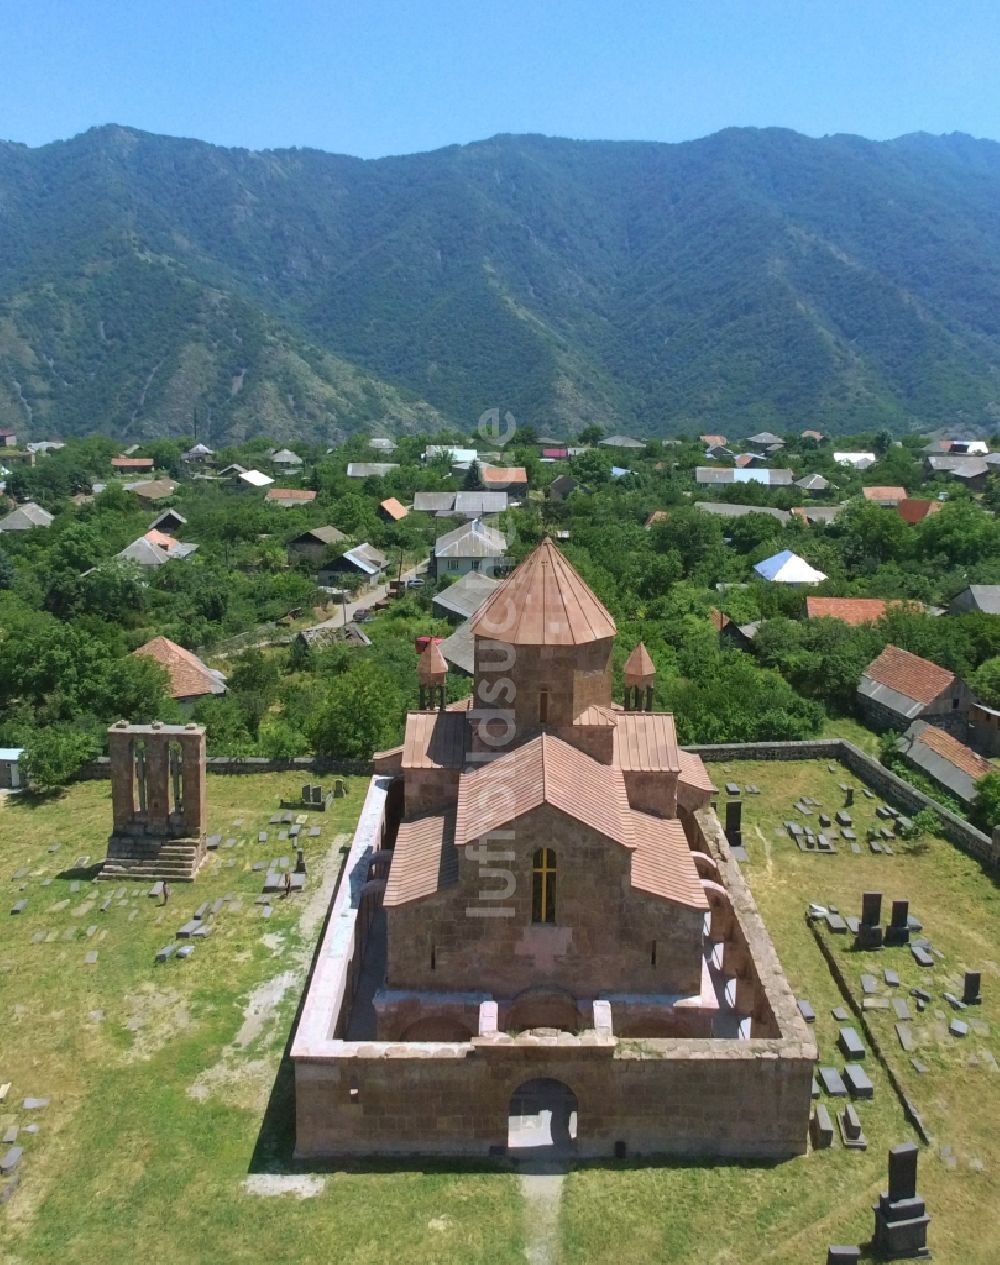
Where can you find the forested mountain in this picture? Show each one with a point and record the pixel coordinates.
(152, 286)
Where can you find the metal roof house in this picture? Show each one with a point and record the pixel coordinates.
(462, 599)
(725, 477)
(977, 597)
(479, 504)
(787, 567)
(942, 757)
(725, 510)
(364, 558)
(370, 469)
(472, 547)
(285, 457)
(899, 687)
(25, 518)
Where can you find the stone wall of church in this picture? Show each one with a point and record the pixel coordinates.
(478, 935)
(657, 1097)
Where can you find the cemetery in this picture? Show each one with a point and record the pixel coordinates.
(146, 1094)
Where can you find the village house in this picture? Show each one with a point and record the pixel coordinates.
(855, 611)
(714, 476)
(285, 458)
(461, 600)
(787, 567)
(984, 598)
(814, 484)
(363, 560)
(393, 510)
(472, 547)
(948, 762)
(623, 441)
(479, 504)
(381, 443)
(198, 454)
(370, 469)
(459, 458)
(316, 542)
(132, 465)
(915, 511)
(289, 498)
(971, 472)
(857, 460)
(155, 549)
(441, 504)
(561, 486)
(898, 688)
(11, 778)
(513, 479)
(889, 497)
(630, 999)
(818, 515)
(152, 490)
(168, 522)
(767, 441)
(190, 679)
(723, 509)
(26, 518)
(8, 438)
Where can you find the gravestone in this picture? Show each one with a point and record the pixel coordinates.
(898, 930)
(901, 1218)
(922, 956)
(870, 932)
(905, 1034)
(734, 823)
(891, 978)
(841, 1254)
(858, 1082)
(850, 1044)
(300, 861)
(832, 1082)
(869, 984)
(850, 1130)
(806, 1011)
(821, 1128)
(971, 988)
(849, 797)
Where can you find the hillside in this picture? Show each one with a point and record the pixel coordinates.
(150, 285)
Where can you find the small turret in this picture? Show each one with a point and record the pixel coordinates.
(640, 672)
(432, 672)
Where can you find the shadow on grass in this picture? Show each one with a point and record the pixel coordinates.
(81, 871)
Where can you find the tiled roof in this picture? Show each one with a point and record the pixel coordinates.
(321, 535)
(502, 476)
(955, 752)
(545, 770)
(639, 667)
(471, 540)
(713, 441)
(160, 538)
(880, 493)
(662, 863)
(813, 434)
(646, 742)
(907, 674)
(154, 490)
(544, 602)
(433, 502)
(849, 610)
(132, 463)
(394, 508)
(297, 495)
(915, 511)
(435, 740)
(423, 859)
(719, 620)
(694, 773)
(189, 677)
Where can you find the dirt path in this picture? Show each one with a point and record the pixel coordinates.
(541, 1190)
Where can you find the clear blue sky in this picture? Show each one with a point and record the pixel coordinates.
(373, 78)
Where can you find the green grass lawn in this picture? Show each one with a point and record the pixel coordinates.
(789, 1213)
(847, 727)
(170, 1103)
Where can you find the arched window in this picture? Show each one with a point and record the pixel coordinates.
(543, 886)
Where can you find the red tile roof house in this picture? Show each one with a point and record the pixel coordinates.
(288, 496)
(942, 757)
(898, 688)
(890, 497)
(131, 463)
(853, 610)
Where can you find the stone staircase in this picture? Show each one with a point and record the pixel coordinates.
(177, 860)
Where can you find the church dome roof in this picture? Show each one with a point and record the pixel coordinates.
(544, 602)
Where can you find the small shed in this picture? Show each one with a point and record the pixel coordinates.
(10, 770)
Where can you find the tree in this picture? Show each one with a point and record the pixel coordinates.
(361, 714)
(986, 806)
(6, 571)
(592, 434)
(986, 682)
(54, 754)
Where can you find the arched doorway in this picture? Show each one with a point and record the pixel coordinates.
(542, 1120)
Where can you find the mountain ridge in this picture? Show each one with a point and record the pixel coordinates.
(753, 277)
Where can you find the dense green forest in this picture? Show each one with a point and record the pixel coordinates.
(151, 286)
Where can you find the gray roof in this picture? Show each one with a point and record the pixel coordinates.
(727, 477)
(25, 517)
(959, 467)
(168, 513)
(471, 540)
(813, 483)
(144, 553)
(476, 504)
(563, 484)
(382, 444)
(907, 708)
(466, 595)
(366, 558)
(434, 502)
(460, 648)
(321, 535)
(767, 438)
(370, 469)
(739, 511)
(959, 781)
(285, 457)
(982, 597)
(622, 441)
(821, 513)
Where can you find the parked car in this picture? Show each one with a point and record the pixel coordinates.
(363, 616)
(415, 582)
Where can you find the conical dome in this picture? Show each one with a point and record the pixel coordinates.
(432, 667)
(544, 602)
(639, 667)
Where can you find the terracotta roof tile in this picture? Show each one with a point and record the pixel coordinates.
(713, 441)
(915, 511)
(189, 677)
(544, 602)
(394, 508)
(662, 863)
(646, 742)
(955, 752)
(545, 770)
(849, 610)
(884, 494)
(423, 860)
(435, 740)
(160, 538)
(719, 620)
(694, 773)
(301, 495)
(909, 675)
(132, 463)
(502, 476)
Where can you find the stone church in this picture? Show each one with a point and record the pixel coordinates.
(540, 901)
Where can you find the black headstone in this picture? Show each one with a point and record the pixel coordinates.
(970, 993)
(871, 908)
(900, 913)
(903, 1171)
(734, 816)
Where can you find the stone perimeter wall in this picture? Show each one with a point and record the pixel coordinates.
(100, 767)
(875, 775)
